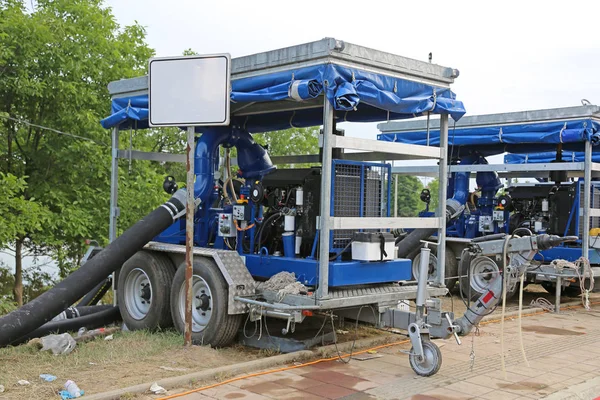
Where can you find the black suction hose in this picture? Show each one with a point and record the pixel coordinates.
(91, 321)
(94, 295)
(412, 241)
(51, 303)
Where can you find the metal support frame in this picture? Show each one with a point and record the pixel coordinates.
(396, 196)
(587, 187)
(443, 179)
(328, 116)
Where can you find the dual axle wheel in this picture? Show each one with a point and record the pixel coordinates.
(151, 295)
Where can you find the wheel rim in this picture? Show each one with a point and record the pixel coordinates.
(432, 271)
(428, 363)
(483, 271)
(138, 293)
(202, 303)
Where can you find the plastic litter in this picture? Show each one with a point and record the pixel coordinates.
(81, 331)
(1, 388)
(23, 382)
(109, 337)
(156, 389)
(59, 344)
(48, 377)
(72, 391)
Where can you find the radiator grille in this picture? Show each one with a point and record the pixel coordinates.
(359, 190)
(594, 204)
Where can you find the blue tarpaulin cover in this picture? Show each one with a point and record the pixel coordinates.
(356, 95)
(545, 157)
(517, 138)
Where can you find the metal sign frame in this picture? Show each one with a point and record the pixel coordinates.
(154, 62)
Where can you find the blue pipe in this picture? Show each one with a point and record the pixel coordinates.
(253, 160)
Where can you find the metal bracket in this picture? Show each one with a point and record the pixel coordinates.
(414, 333)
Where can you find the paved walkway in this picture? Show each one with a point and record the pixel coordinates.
(563, 351)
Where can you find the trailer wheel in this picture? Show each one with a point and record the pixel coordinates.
(431, 362)
(483, 271)
(211, 324)
(451, 267)
(143, 295)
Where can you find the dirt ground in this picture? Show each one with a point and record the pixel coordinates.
(138, 357)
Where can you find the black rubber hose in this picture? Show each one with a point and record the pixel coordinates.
(412, 241)
(262, 226)
(88, 310)
(51, 303)
(94, 295)
(90, 321)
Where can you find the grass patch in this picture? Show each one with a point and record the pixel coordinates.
(130, 358)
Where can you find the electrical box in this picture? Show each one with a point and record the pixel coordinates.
(499, 215)
(239, 212)
(373, 246)
(486, 223)
(226, 226)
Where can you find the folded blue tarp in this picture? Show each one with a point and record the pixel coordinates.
(356, 95)
(538, 158)
(516, 138)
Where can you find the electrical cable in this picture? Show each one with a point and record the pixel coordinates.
(22, 121)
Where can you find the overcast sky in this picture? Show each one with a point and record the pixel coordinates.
(514, 56)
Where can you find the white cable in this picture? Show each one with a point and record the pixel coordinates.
(504, 281)
(520, 319)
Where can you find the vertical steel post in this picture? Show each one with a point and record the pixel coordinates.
(396, 195)
(189, 235)
(114, 185)
(443, 188)
(328, 115)
(557, 294)
(587, 190)
(114, 196)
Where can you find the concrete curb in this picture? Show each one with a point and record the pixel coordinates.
(242, 368)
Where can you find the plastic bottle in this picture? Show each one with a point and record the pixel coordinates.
(72, 388)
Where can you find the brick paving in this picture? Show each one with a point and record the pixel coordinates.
(563, 350)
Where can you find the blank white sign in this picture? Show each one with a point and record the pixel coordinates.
(189, 91)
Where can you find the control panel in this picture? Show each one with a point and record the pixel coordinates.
(226, 226)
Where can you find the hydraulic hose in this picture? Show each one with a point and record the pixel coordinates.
(98, 319)
(94, 295)
(43, 308)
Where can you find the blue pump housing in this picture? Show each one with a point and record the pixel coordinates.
(254, 163)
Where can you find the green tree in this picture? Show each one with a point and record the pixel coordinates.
(55, 64)
(409, 190)
(434, 188)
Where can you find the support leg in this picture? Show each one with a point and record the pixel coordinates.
(558, 290)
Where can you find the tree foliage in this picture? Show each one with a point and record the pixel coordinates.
(55, 64)
(409, 190)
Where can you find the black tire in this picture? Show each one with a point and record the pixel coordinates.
(431, 365)
(154, 272)
(212, 324)
(465, 284)
(451, 266)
